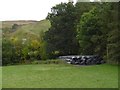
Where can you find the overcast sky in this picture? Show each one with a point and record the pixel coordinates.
(26, 9)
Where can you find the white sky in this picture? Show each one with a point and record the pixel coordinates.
(26, 9)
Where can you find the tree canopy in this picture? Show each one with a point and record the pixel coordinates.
(61, 37)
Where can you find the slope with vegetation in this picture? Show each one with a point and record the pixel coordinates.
(8, 24)
(33, 28)
(21, 40)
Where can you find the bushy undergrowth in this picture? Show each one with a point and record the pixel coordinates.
(49, 61)
(52, 61)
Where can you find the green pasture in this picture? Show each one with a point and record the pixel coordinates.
(59, 76)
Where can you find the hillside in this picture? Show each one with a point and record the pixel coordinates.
(8, 24)
(29, 30)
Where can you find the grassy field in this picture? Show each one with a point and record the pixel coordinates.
(0, 78)
(60, 76)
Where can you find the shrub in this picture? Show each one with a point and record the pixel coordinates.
(52, 61)
(35, 62)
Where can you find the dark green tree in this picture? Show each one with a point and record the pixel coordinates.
(113, 50)
(89, 32)
(82, 7)
(61, 37)
(8, 53)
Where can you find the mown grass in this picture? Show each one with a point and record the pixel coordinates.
(60, 76)
(0, 77)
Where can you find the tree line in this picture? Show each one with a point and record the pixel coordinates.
(80, 29)
(84, 29)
